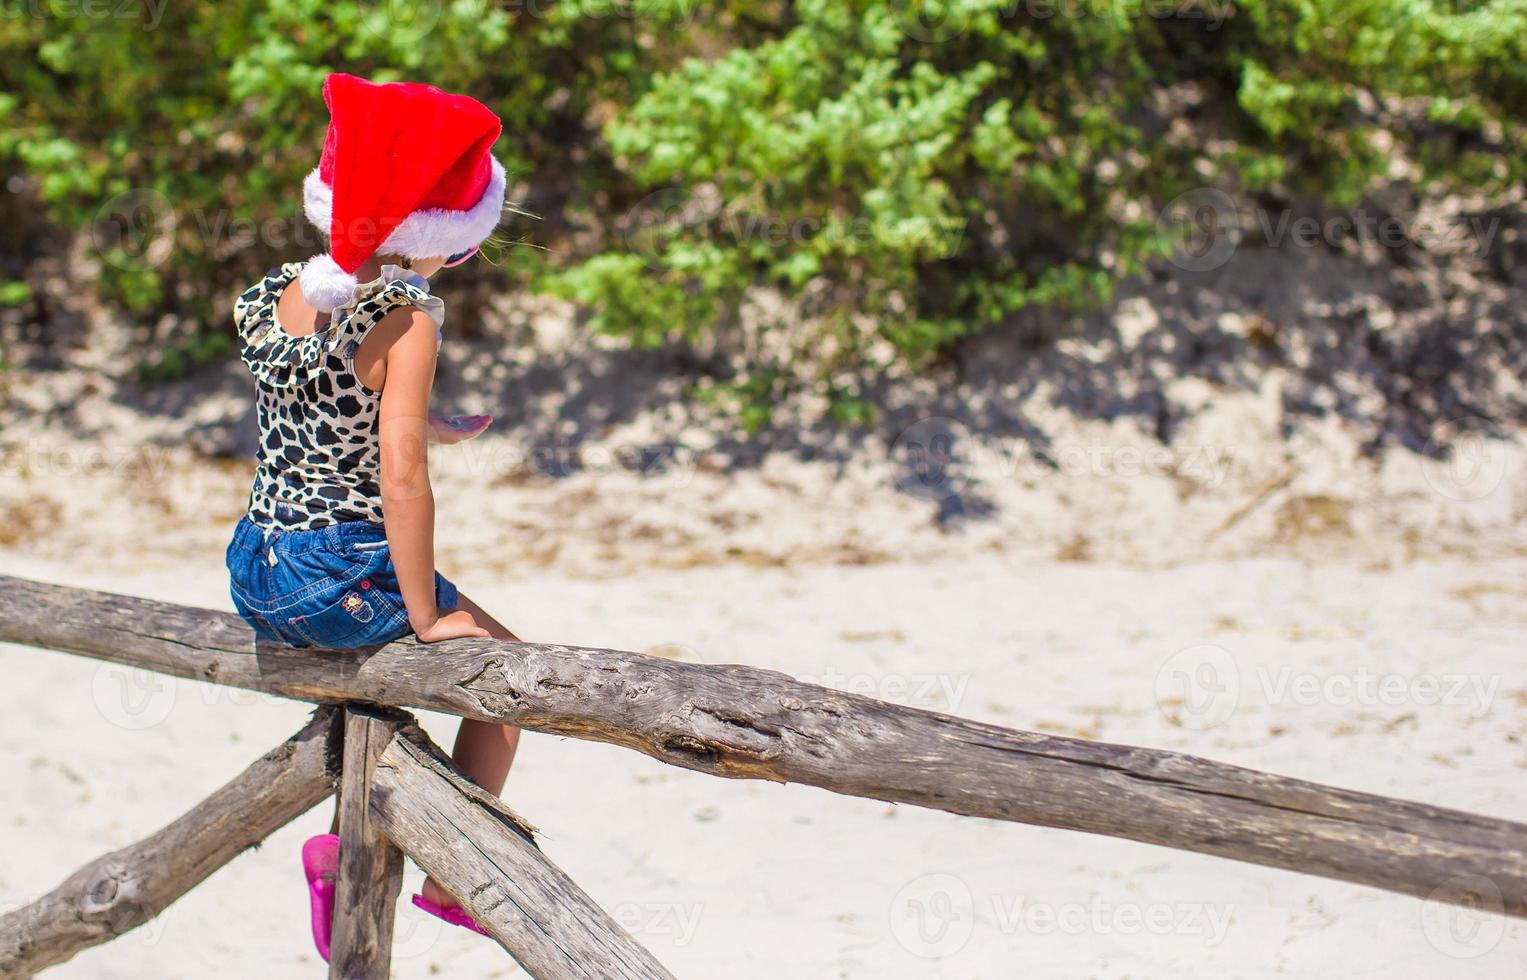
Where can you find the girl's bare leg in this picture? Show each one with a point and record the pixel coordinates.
(484, 751)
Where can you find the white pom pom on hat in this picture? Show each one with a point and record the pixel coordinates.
(406, 170)
(325, 284)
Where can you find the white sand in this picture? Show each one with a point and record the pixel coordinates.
(744, 879)
(1364, 611)
(1241, 471)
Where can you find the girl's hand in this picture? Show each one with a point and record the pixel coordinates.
(448, 429)
(450, 624)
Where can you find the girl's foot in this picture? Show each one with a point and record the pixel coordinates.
(436, 895)
(320, 864)
(439, 903)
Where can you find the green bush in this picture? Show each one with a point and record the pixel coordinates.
(904, 174)
(937, 170)
(174, 137)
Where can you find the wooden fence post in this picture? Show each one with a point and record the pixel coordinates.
(485, 855)
(370, 867)
(124, 889)
(742, 722)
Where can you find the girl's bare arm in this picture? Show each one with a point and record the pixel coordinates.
(408, 500)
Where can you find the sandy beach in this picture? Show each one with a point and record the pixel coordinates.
(1151, 534)
(1404, 681)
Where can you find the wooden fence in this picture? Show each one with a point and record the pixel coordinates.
(400, 794)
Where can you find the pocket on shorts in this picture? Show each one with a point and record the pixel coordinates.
(359, 615)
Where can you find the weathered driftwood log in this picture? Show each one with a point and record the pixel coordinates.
(370, 867)
(485, 855)
(127, 887)
(744, 722)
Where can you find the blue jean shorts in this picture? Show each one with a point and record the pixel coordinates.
(333, 587)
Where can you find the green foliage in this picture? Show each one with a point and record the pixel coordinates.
(14, 292)
(908, 173)
(941, 168)
(751, 400)
(174, 137)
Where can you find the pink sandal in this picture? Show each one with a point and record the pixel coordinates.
(455, 915)
(320, 863)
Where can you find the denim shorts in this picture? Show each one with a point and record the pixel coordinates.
(334, 587)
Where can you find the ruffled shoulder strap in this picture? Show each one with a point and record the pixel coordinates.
(280, 360)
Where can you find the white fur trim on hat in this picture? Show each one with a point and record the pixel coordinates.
(427, 234)
(325, 284)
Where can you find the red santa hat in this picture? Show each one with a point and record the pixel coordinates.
(406, 170)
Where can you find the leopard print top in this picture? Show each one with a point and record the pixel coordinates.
(319, 458)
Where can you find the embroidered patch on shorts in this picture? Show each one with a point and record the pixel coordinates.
(357, 607)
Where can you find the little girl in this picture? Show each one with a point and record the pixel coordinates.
(337, 547)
